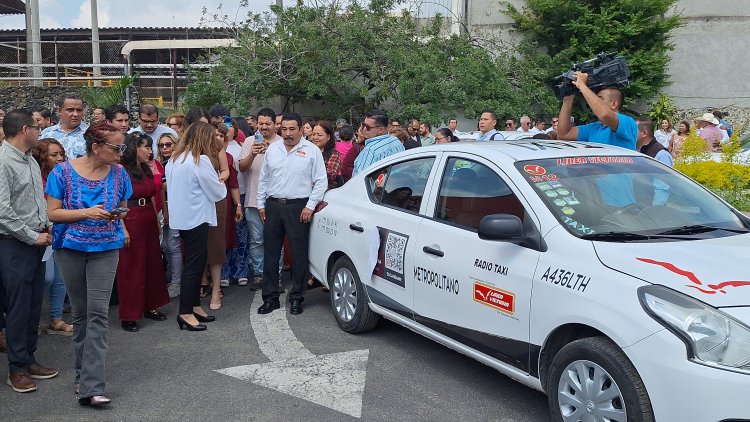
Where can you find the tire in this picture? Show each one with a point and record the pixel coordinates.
(623, 397)
(348, 299)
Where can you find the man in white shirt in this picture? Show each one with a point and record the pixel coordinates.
(487, 131)
(292, 181)
(525, 124)
(250, 162)
(148, 119)
(539, 124)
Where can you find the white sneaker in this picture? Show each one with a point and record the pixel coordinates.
(224, 283)
(242, 281)
(174, 290)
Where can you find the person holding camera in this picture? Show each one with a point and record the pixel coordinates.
(612, 127)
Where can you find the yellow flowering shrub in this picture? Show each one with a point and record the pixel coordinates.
(729, 178)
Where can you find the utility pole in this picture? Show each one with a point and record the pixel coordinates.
(95, 43)
(34, 38)
(280, 3)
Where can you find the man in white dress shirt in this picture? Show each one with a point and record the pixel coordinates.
(292, 181)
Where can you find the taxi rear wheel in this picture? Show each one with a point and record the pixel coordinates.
(348, 299)
(592, 379)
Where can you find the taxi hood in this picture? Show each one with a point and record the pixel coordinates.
(714, 271)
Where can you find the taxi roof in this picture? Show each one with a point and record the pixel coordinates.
(528, 149)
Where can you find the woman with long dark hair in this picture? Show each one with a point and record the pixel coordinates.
(194, 188)
(324, 138)
(140, 272)
(86, 197)
(444, 136)
(49, 153)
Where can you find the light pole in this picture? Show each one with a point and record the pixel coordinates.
(95, 43)
(34, 38)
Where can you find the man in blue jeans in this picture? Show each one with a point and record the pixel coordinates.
(251, 157)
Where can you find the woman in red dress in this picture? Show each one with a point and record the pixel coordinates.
(140, 273)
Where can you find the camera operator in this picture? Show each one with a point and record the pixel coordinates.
(613, 128)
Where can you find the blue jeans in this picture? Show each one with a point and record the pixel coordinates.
(54, 282)
(171, 244)
(255, 241)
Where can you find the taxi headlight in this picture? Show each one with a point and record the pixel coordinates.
(712, 337)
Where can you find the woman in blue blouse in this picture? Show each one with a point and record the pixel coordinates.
(82, 197)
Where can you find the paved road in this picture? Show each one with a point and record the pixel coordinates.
(161, 373)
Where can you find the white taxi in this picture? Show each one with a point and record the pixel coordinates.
(595, 274)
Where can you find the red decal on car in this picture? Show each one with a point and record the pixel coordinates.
(379, 180)
(712, 288)
(495, 298)
(534, 169)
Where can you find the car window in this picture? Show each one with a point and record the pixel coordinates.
(470, 190)
(624, 194)
(401, 185)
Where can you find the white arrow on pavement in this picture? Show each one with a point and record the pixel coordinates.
(336, 380)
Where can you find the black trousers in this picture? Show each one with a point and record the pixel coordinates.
(193, 265)
(281, 220)
(22, 274)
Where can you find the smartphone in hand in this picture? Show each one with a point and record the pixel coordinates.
(118, 211)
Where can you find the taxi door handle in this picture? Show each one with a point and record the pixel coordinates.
(357, 228)
(433, 251)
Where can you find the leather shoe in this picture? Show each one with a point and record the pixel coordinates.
(129, 326)
(94, 401)
(39, 372)
(155, 315)
(268, 307)
(296, 307)
(21, 382)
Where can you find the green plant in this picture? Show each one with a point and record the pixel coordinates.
(111, 95)
(663, 108)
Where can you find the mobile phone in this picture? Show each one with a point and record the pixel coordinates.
(228, 121)
(119, 210)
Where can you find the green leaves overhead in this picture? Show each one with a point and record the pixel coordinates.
(356, 56)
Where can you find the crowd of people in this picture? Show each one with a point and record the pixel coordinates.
(100, 213)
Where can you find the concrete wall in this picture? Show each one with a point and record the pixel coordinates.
(709, 62)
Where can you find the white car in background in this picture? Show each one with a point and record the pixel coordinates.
(595, 274)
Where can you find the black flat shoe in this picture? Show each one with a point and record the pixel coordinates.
(295, 307)
(207, 318)
(184, 325)
(129, 326)
(268, 307)
(155, 315)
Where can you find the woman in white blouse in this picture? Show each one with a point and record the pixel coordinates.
(665, 132)
(193, 187)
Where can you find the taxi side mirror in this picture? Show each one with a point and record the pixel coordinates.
(501, 227)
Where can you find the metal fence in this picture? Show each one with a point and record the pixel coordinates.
(161, 80)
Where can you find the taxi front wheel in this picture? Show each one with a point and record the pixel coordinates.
(348, 299)
(592, 379)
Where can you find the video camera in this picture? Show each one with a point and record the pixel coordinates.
(606, 70)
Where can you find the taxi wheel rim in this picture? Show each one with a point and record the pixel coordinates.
(588, 392)
(344, 294)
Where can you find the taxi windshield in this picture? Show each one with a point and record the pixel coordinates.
(628, 198)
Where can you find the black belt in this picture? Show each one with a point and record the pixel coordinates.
(140, 202)
(284, 201)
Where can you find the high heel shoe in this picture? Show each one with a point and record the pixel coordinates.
(207, 318)
(184, 324)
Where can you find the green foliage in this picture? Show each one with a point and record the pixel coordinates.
(663, 108)
(569, 31)
(357, 56)
(96, 97)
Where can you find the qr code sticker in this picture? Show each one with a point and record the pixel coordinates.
(394, 252)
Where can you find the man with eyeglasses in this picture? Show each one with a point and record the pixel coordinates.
(24, 235)
(510, 124)
(379, 144)
(148, 118)
(69, 132)
(118, 116)
(553, 127)
(487, 131)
